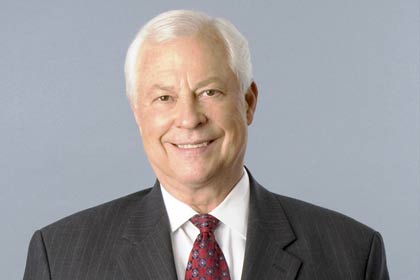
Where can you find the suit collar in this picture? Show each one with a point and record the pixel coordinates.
(146, 246)
(146, 249)
(269, 233)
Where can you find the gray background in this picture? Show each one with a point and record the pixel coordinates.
(337, 122)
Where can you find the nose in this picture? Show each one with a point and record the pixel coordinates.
(190, 115)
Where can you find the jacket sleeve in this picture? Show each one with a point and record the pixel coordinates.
(37, 266)
(376, 268)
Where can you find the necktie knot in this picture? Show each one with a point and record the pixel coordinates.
(205, 222)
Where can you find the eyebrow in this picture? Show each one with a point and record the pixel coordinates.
(162, 87)
(207, 81)
(197, 86)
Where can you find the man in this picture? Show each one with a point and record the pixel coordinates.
(190, 88)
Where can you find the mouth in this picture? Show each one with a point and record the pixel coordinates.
(193, 145)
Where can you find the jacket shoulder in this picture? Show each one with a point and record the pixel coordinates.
(304, 215)
(339, 244)
(84, 244)
(326, 236)
(104, 214)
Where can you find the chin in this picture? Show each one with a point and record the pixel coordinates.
(193, 176)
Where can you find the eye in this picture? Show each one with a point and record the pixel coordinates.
(210, 92)
(164, 98)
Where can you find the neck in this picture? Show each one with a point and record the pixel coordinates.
(202, 198)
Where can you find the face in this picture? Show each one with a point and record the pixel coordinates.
(191, 113)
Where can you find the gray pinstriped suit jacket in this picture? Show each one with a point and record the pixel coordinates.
(129, 238)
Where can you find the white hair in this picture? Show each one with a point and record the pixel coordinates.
(179, 23)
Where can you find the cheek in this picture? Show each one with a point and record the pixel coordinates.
(153, 127)
(238, 116)
(145, 124)
(235, 125)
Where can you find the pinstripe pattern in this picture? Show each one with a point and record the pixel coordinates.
(129, 238)
(291, 239)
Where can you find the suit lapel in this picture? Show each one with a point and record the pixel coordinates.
(269, 232)
(146, 247)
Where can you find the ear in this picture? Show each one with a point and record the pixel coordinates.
(251, 97)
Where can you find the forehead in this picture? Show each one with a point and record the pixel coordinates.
(196, 56)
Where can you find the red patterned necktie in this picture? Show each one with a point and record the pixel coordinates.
(206, 261)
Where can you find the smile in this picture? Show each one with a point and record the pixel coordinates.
(193, 146)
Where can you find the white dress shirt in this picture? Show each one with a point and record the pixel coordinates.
(230, 234)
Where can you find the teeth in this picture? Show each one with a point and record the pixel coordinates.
(192, 146)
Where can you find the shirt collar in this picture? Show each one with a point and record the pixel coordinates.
(233, 211)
